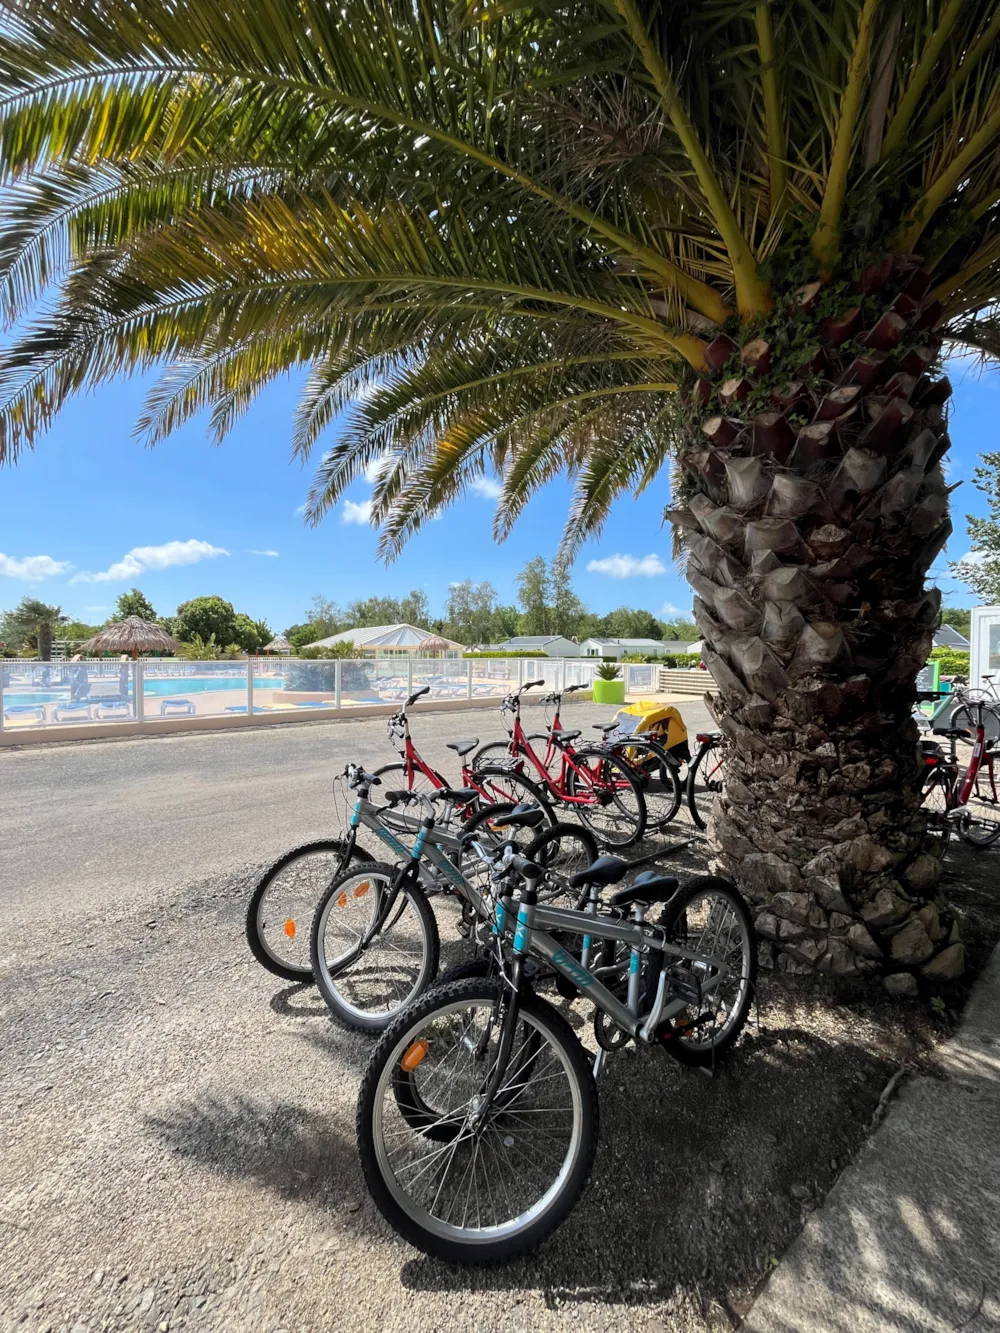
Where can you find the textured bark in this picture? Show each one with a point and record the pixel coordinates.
(814, 504)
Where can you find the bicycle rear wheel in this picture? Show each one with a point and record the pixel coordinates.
(614, 809)
(366, 975)
(705, 777)
(458, 1179)
(661, 788)
(968, 718)
(502, 785)
(281, 910)
(494, 752)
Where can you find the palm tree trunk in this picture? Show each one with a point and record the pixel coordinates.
(813, 504)
(45, 641)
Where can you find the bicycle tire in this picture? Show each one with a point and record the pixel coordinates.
(979, 823)
(693, 795)
(524, 1233)
(256, 926)
(327, 973)
(562, 849)
(506, 786)
(675, 920)
(661, 787)
(634, 827)
(968, 719)
(421, 783)
(937, 798)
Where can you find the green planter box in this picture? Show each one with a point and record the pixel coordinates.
(609, 691)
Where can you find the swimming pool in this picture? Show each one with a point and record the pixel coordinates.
(155, 688)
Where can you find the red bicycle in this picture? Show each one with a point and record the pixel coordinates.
(604, 791)
(415, 774)
(970, 803)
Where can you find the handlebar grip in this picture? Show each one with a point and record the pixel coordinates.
(530, 684)
(417, 694)
(527, 869)
(928, 696)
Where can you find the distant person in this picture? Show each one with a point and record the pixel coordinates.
(80, 686)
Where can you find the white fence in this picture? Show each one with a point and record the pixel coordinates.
(36, 695)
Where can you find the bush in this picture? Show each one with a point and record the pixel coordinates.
(954, 662)
(336, 650)
(608, 671)
(683, 660)
(534, 653)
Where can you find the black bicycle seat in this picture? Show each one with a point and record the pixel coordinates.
(605, 870)
(455, 794)
(564, 737)
(526, 815)
(605, 727)
(952, 731)
(462, 748)
(649, 887)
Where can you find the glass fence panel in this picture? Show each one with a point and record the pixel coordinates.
(52, 694)
(305, 684)
(193, 689)
(494, 677)
(373, 681)
(639, 677)
(448, 678)
(578, 671)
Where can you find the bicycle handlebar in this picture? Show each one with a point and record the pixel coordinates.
(417, 694)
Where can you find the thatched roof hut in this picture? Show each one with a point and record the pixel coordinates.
(435, 646)
(132, 636)
(279, 644)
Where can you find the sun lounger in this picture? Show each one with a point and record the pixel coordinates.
(24, 715)
(176, 708)
(112, 707)
(79, 708)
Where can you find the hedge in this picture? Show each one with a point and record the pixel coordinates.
(534, 653)
(954, 661)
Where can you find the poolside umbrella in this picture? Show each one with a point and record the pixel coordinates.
(435, 646)
(279, 644)
(131, 636)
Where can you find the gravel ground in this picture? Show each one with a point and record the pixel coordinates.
(178, 1125)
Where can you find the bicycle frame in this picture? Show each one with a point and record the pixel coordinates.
(414, 763)
(521, 746)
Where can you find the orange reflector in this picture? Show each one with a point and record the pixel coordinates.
(414, 1054)
(342, 900)
(290, 928)
(362, 889)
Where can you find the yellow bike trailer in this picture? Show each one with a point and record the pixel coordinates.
(660, 720)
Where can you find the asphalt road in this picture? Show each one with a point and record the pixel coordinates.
(178, 1126)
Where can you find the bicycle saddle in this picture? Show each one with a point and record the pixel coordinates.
(951, 731)
(564, 737)
(649, 887)
(455, 794)
(522, 816)
(605, 727)
(462, 748)
(605, 870)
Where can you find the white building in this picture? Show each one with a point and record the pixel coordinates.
(984, 655)
(398, 641)
(552, 645)
(617, 648)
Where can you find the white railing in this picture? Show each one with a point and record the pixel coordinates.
(36, 695)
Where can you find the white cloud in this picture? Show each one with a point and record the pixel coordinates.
(975, 558)
(668, 609)
(359, 512)
(375, 469)
(141, 559)
(33, 568)
(487, 487)
(271, 553)
(628, 566)
(301, 509)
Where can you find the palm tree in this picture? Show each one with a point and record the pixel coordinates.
(729, 237)
(34, 622)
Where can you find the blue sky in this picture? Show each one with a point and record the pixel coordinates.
(90, 513)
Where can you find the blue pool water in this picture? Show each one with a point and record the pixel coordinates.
(156, 687)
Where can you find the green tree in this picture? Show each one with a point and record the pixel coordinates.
(471, 612)
(566, 610)
(981, 568)
(626, 622)
(205, 618)
(250, 635)
(684, 630)
(534, 597)
(33, 623)
(199, 649)
(713, 222)
(959, 618)
(133, 603)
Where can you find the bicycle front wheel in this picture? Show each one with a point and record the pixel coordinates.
(612, 806)
(968, 719)
(704, 780)
(979, 823)
(459, 1177)
(281, 909)
(501, 785)
(709, 917)
(661, 788)
(369, 969)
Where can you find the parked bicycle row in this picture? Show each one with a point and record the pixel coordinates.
(477, 1114)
